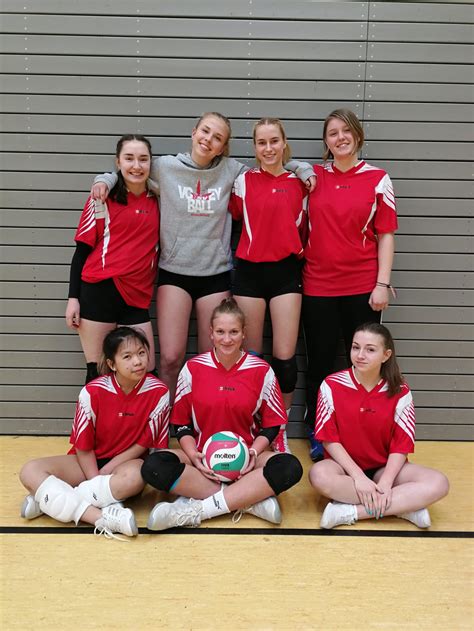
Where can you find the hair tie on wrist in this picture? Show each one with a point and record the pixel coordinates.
(388, 286)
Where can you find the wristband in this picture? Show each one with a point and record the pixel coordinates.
(253, 451)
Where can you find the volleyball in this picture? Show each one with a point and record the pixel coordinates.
(226, 454)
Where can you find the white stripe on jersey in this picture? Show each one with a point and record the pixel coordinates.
(268, 395)
(205, 359)
(385, 187)
(105, 382)
(344, 379)
(84, 413)
(105, 245)
(185, 383)
(251, 361)
(150, 383)
(246, 220)
(89, 218)
(405, 415)
(325, 406)
(159, 419)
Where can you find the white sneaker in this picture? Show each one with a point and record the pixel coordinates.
(420, 518)
(280, 444)
(30, 509)
(336, 514)
(116, 519)
(268, 509)
(183, 512)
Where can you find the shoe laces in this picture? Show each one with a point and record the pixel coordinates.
(108, 534)
(190, 516)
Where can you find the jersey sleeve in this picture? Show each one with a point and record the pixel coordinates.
(403, 437)
(91, 224)
(83, 427)
(325, 428)
(236, 203)
(386, 214)
(182, 407)
(270, 405)
(156, 432)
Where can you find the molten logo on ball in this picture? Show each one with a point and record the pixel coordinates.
(226, 454)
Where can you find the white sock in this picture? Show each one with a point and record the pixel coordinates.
(97, 491)
(214, 505)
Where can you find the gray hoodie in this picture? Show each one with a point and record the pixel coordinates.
(195, 225)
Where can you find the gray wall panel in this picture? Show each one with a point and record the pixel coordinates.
(77, 76)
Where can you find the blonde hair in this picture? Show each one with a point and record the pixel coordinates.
(351, 120)
(225, 120)
(228, 306)
(277, 122)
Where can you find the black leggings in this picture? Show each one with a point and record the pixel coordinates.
(324, 318)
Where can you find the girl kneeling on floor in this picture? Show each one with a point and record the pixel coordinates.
(366, 421)
(119, 416)
(220, 390)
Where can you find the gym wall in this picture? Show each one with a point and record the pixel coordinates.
(76, 76)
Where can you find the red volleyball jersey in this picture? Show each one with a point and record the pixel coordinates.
(273, 215)
(125, 245)
(214, 399)
(108, 421)
(369, 425)
(346, 213)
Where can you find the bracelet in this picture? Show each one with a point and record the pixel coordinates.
(388, 286)
(254, 451)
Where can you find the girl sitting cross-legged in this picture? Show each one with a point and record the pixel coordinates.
(366, 421)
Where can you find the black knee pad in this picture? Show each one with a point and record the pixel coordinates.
(161, 470)
(282, 472)
(286, 372)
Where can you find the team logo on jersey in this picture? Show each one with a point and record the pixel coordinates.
(199, 202)
(278, 190)
(226, 388)
(345, 186)
(138, 211)
(126, 414)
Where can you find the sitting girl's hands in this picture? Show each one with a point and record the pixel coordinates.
(366, 491)
(197, 461)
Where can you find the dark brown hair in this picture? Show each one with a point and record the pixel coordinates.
(119, 191)
(389, 370)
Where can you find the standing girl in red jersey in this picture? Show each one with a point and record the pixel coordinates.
(118, 418)
(366, 420)
(271, 202)
(222, 390)
(349, 253)
(114, 266)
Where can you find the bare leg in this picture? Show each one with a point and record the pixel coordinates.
(204, 308)
(254, 309)
(147, 329)
(415, 487)
(173, 306)
(92, 335)
(126, 480)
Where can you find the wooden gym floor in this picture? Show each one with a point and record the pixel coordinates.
(251, 575)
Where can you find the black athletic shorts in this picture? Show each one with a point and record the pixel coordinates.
(371, 472)
(101, 462)
(102, 302)
(196, 286)
(267, 280)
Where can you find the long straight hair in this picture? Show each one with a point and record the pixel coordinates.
(390, 369)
